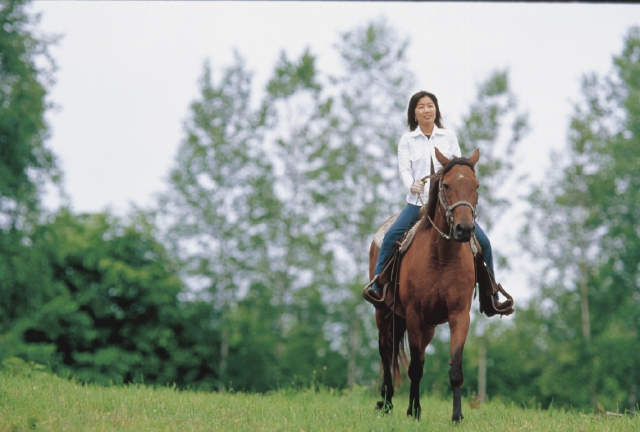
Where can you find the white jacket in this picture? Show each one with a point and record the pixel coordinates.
(414, 152)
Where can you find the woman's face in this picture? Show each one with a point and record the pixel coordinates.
(425, 111)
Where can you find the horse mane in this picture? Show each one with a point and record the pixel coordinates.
(432, 203)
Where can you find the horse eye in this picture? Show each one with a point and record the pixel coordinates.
(446, 186)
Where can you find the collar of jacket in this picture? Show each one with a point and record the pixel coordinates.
(418, 132)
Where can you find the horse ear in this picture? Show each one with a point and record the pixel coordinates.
(441, 158)
(473, 160)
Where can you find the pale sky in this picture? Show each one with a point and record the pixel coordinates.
(128, 71)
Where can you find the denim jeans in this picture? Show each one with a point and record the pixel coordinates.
(404, 220)
(486, 248)
(402, 223)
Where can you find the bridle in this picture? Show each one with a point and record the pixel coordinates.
(448, 208)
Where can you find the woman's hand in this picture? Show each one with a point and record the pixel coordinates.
(417, 188)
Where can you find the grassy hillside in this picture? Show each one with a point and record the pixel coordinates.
(32, 399)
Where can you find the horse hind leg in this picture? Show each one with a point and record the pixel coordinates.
(386, 390)
(385, 348)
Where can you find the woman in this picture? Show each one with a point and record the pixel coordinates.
(416, 157)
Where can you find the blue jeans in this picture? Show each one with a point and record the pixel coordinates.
(486, 248)
(404, 220)
(402, 223)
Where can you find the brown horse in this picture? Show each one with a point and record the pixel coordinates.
(436, 283)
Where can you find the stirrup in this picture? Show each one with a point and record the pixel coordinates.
(506, 307)
(378, 303)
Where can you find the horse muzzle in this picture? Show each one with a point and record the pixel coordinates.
(462, 231)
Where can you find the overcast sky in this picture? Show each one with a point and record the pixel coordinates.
(128, 70)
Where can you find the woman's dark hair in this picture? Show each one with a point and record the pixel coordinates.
(411, 111)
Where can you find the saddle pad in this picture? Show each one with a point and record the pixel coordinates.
(406, 240)
(377, 239)
(408, 237)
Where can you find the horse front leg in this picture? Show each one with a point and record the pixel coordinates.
(419, 338)
(459, 326)
(416, 368)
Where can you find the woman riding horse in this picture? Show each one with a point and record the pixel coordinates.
(416, 160)
(435, 281)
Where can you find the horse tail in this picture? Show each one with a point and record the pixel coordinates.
(399, 357)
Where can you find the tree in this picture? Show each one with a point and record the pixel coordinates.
(26, 72)
(361, 188)
(213, 213)
(112, 312)
(298, 122)
(275, 222)
(617, 189)
(369, 119)
(496, 126)
(587, 239)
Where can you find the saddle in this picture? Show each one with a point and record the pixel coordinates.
(389, 276)
(486, 286)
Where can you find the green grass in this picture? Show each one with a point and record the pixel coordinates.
(33, 400)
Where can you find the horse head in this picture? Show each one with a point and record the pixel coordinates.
(458, 194)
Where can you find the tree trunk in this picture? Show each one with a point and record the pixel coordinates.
(353, 351)
(586, 330)
(482, 369)
(224, 355)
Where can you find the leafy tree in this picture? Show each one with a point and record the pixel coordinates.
(266, 212)
(362, 185)
(238, 217)
(496, 126)
(614, 293)
(586, 238)
(112, 314)
(298, 121)
(26, 71)
(361, 189)
(213, 213)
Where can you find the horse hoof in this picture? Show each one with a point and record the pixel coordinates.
(383, 406)
(456, 419)
(415, 414)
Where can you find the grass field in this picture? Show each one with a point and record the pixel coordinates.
(34, 400)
